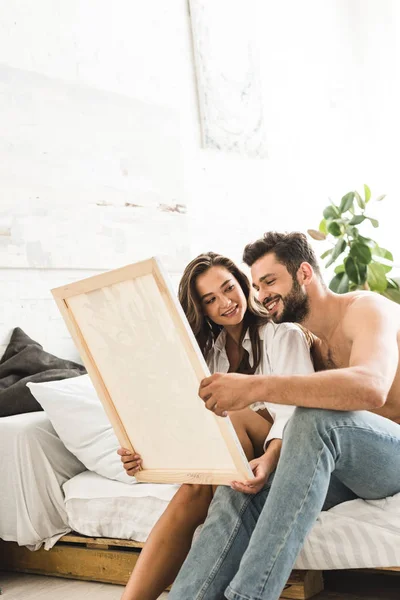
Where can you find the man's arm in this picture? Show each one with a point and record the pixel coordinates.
(363, 385)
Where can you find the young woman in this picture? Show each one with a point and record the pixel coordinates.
(234, 336)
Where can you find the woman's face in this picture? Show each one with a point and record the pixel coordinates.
(222, 298)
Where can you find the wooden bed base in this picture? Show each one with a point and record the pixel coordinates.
(111, 561)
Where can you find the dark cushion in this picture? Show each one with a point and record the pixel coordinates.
(25, 360)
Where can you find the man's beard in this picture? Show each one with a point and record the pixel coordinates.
(295, 306)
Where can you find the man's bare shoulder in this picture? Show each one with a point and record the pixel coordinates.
(361, 308)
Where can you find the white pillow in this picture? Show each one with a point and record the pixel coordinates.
(102, 508)
(78, 417)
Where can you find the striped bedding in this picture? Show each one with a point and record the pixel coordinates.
(356, 534)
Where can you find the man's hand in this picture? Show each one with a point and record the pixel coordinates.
(224, 392)
(132, 463)
(262, 470)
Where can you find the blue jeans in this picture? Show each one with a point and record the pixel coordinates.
(249, 544)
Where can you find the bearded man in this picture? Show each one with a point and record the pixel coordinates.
(342, 443)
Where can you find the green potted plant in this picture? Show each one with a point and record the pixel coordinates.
(360, 262)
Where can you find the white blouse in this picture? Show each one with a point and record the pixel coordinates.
(285, 351)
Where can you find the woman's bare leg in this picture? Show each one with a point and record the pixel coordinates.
(170, 540)
(251, 429)
(169, 543)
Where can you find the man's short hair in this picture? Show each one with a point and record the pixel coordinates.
(290, 249)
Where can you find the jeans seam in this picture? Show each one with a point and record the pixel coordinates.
(309, 487)
(203, 590)
(290, 528)
(380, 433)
(237, 594)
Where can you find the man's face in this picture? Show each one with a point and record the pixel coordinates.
(279, 293)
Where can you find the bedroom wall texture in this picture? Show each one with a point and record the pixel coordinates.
(100, 147)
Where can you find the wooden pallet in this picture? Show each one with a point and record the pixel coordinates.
(112, 561)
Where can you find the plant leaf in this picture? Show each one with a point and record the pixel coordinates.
(386, 268)
(316, 235)
(366, 241)
(374, 222)
(353, 231)
(340, 246)
(367, 193)
(339, 283)
(352, 271)
(322, 227)
(362, 269)
(376, 277)
(380, 198)
(357, 219)
(346, 202)
(382, 252)
(392, 294)
(343, 285)
(360, 201)
(334, 229)
(326, 253)
(361, 252)
(331, 212)
(339, 269)
(393, 283)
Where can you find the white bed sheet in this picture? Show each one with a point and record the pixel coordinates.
(100, 507)
(356, 534)
(34, 465)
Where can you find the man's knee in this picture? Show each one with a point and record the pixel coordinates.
(308, 421)
(226, 500)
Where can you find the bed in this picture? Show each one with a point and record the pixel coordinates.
(59, 518)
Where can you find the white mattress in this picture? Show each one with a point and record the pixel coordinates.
(34, 465)
(353, 535)
(356, 534)
(100, 507)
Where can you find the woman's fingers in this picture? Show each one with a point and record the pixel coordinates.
(132, 462)
(130, 458)
(133, 467)
(132, 472)
(245, 489)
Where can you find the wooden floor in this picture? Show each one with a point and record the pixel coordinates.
(339, 586)
(18, 586)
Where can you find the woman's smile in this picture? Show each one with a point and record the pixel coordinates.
(231, 312)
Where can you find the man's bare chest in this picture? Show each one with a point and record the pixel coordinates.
(334, 354)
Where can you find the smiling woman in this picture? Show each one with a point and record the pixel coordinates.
(216, 298)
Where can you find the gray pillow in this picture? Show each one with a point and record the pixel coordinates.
(25, 360)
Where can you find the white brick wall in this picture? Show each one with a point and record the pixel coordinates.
(98, 113)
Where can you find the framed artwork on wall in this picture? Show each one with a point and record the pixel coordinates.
(228, 77)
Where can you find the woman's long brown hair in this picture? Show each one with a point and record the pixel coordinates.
(204, 329)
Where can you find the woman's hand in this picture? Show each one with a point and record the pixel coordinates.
(132, 463)
(262, 470)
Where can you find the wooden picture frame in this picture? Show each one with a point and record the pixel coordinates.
(146, 366)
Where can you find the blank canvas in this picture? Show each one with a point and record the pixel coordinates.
(146, 366)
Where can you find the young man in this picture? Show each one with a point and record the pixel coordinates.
(343, 442)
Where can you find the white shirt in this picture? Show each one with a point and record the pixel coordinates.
(285, 351)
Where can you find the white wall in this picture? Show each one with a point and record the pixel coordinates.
(331, 86)
(98, 110)
(91, 152)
